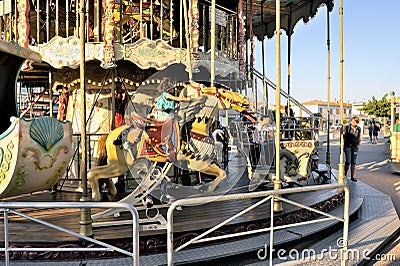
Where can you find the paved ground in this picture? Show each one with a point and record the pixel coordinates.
(374, 169)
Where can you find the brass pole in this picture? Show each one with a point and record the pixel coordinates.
(250, 73)
(328, 42)
(50, 95)
(151, 20)
(246, 47)
(113, 99)
(141, 19)
(265, 89)
(161, 18)
(288, 59)
(277, 181)
(57, 19)
(47, 21)
(85, 220)
(212, 42)
(181, 25)
(188, 42)
(171, 21)
(341, 162)
(120, 24)
(66, 19)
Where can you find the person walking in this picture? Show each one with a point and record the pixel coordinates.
(370, 130)
(352, 141)
(376, 132)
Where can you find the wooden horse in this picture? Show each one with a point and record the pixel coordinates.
(159, 141)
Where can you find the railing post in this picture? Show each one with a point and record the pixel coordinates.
(271, 232)
(341, 172)
(135, 236)
(170, 235)
(6, 244)
(343, 258)
(277, 203)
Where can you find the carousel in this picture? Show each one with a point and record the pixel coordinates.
(151, 102)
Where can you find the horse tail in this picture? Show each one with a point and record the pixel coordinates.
(101, 151)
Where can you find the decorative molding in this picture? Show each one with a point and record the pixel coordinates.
(46, 132)
(194, 27)
(108, 61)
(46, 160)
(23, 22)
(224, 65)
(60, 52)
(100, 78)
(6, 161)
(15, 49)
(65, 52)
(146, 53)
(57, 175)
(18, 182)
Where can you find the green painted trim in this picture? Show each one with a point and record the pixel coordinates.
(9, 130)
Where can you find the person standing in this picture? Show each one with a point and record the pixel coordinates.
(352, 141)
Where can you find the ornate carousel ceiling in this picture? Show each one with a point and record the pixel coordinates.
(292, 11)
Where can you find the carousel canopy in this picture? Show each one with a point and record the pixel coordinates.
(292, 11)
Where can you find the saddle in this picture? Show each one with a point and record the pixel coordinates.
(158, 132)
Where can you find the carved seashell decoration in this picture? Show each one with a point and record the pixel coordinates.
(46, 131)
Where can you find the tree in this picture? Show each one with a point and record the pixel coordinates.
(378, 108)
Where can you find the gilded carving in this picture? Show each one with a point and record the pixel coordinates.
(23, 22)
(2, 176)
(65, 52)
(6, 160)
(108, 22)
(194, 27)
(57, 175)
(18, 182)
(46, 131)
(44, 161)
(147, 53)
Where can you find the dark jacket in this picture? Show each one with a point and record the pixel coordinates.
(351, 138)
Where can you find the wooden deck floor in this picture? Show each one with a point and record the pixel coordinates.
(186, 220)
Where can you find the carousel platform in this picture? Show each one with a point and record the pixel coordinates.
(374, 220)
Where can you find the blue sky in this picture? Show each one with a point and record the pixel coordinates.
(371, 53)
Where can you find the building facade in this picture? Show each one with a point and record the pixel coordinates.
(318, 106)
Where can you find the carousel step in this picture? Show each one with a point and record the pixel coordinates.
(377, 222)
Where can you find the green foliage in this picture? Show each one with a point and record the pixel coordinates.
(378, 108)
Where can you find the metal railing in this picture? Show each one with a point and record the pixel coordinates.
(273, 196)
(7, 207)
(271, 84)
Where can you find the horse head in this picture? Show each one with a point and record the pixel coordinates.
(227, 98)
(232, 100)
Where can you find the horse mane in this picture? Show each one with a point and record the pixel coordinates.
(101, 151)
